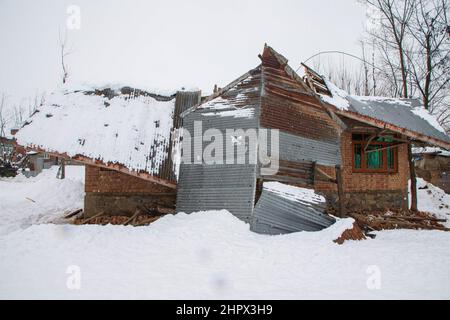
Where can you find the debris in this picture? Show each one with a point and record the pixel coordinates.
(355, 233)
(398, 219)
(74, 213)
(93, 217)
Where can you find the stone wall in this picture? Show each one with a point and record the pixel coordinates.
(370, 200)
(117, 193)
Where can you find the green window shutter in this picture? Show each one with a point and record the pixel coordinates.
(374, 160)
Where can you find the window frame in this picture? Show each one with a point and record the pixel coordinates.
(363, 169)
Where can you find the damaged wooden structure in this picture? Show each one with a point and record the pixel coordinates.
(325, 151)
(335, 150)
(127, 139)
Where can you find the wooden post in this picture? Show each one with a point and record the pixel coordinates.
(63, 168)
(412, 174)
(342, 212)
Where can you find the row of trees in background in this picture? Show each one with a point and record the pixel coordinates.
(405, 53)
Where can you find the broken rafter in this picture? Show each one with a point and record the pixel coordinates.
(133, 217)
(220, 91)
(325, 175)
(93, 217)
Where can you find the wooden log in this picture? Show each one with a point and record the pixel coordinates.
(325, 175)
(340, 186)
(74, 213)
(412, 174)
(92, 218)
(165, 210)
(415, 218)
(145, 221)
(136, 213)
(63, 168)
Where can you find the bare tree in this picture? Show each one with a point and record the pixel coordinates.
(64, 52)
(393, 19)
(429, 56)
(35, 102)
(3, 125)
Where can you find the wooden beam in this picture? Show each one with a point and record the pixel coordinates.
(93, 217)
(288, 179)
(220, 91)
(385, 148)
(371, 139)
(340, 186)
(384, 125)
(412, 175)
(324, 174)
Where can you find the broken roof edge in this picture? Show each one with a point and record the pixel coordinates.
(284, 62)
(221, 91)
(84, 86)
(111, 166)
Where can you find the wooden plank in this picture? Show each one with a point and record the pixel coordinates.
(136, 213)
(339, 181)
(92, 218)
(385, 148)
(300, 181)
(324, 174)
(412, 174)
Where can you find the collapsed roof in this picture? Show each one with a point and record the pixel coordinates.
(123, 128)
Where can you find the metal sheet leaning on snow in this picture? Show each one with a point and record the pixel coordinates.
(284, 209)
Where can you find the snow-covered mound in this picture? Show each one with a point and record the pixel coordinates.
(26, 201)
(204, 255)
(433, 199)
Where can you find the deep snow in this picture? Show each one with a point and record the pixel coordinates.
(203, 255)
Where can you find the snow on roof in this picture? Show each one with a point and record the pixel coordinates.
(297, 194)
(232, 106)
(74, 86)
(338, 96)
(116, 125)
(431, 150)
(405, 113)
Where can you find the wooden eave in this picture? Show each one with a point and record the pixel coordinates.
(388, 126)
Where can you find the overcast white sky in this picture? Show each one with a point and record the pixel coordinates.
(165, 44)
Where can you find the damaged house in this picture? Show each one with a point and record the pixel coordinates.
(317, 148)
(122, 135)
(334, 149)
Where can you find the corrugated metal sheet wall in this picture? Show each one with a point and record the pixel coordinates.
(222, 186)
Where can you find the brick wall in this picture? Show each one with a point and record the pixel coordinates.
(368, 190)
(372, 181)
(104, 180)
(117, 193)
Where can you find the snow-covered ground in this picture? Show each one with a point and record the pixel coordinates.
(204, 255)
(26, 201)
